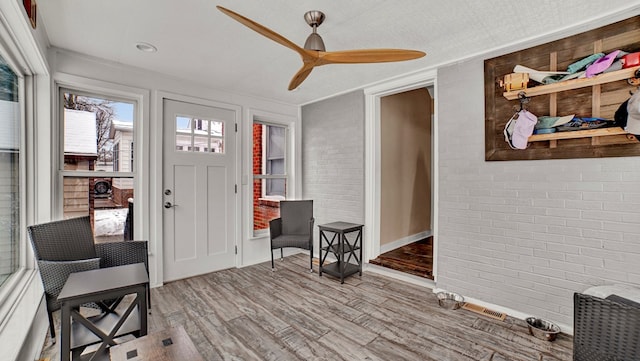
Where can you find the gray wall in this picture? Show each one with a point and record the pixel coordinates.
(333, 158)
(527, 234)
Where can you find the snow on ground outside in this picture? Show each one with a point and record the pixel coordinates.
(109, 222)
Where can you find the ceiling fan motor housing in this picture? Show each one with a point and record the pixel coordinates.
(314, 42)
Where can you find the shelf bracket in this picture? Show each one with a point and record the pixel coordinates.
(523, 98)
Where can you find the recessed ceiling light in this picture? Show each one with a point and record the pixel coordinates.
(146, 47)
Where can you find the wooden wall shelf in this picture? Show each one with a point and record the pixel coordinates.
(578, 134)
(604, 136)
(598, 97)
(574, 83)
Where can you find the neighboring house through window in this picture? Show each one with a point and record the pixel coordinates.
(270, 175)
(97, 171)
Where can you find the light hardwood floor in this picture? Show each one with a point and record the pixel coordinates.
(256, 314)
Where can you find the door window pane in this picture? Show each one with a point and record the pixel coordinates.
(199, 135)
(10, 159)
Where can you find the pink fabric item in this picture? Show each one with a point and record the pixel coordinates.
(601, 64)
(523, 129)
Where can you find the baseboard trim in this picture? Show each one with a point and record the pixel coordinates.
(404, 241)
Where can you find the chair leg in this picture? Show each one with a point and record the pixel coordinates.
(311, 261)
(52, 328)
(148, 298)
(273, 268)
(281, 255)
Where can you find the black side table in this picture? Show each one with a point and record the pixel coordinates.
(96, 286)
(343, 250)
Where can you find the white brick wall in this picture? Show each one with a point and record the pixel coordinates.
(527, 234)
(333, 158)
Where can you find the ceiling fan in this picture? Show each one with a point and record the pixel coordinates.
(313, 54)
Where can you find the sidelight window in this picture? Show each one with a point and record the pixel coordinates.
(270, 174)
(11, 159)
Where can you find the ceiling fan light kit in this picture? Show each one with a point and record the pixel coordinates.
(314, 54)
(314, 42)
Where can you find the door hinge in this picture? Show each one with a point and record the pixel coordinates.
(236, 249)
(236, 189)
(236, 127)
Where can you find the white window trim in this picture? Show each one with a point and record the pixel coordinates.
(293, 164)
(140, 98)
(21, 299)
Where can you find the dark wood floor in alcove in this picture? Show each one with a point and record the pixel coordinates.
(415, 258)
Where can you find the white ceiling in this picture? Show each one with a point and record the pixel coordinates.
(198, 43)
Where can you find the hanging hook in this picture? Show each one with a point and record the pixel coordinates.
(524, 99)
(635, 80)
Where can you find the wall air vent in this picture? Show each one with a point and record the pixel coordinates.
(485, 311)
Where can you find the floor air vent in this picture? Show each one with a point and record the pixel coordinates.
(484, 311)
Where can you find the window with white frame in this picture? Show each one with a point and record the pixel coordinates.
(11, 164)
(270, 175)
(97, 161)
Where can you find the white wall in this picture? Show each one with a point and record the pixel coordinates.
(526, 235)
(333, 158)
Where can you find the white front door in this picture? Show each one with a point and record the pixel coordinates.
(198, 189)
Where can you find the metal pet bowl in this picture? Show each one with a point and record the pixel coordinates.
(450, 300)
(542, 329)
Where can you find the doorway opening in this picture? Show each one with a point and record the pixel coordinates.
(406, 243)
(403, 190)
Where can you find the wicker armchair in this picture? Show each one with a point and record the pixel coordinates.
(294, 228)
(67, 246)
(605, 329)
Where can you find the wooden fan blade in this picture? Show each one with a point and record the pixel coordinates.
(368, 56)
(263, 30)
(301, 75)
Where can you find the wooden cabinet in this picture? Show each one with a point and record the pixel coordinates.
(599, 96)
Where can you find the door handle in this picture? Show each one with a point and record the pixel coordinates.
(168, 205)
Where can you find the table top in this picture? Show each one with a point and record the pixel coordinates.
(102, 280)
(340, 227)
